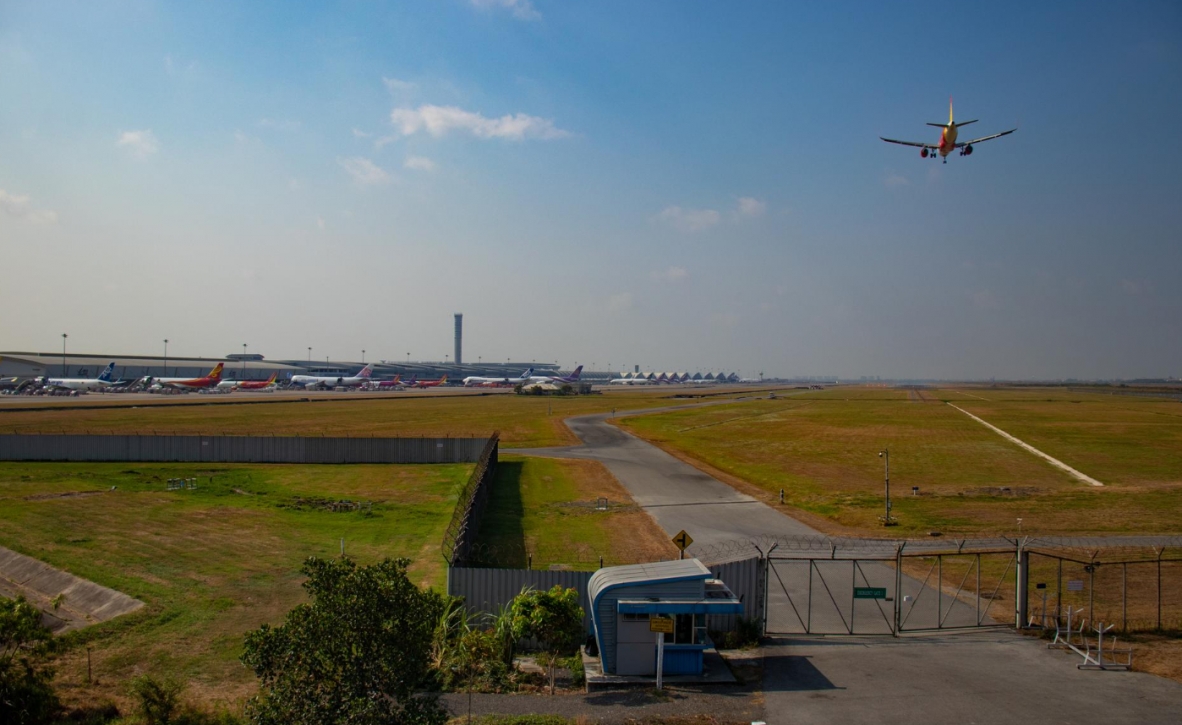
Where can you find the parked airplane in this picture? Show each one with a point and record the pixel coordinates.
(99, 383)
(328, 381)
(430, 383)
(247, 384)
(475, 380)
(211, 380)
(557, 379)
(395, 384)
(629, 381)
(948, 142)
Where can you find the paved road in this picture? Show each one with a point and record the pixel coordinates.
(977, 677)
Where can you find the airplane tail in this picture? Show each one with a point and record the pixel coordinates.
(443, 380)
(366, 371)
(527, 374)
(216, 373)
(397, 378)
(271, 379)
(578, 371)
(950, 121)
(105, 375)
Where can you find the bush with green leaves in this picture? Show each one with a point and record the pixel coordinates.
(552, 617)
(467, 657)
(158, 699)
(359, 652)
(26, 689)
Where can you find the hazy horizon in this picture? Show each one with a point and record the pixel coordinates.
(680, 186)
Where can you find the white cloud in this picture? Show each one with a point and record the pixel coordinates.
(672, 274)
(396, 86)
(141, 143)
(521, 9)
(358, 133)
(17, 205)
(893, 181)
(383, 140)
(688, 220)
(364, 171)
(294, 184)
(439, 120)
(320, 223)
(750, 206)
(419, 163)
(621, 302)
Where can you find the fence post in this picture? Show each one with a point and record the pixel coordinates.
(1159, 555)
(1124, 596)
(1021, 587)
(898, 587)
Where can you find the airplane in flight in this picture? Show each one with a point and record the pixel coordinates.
(475, 380)
(948, 142)
(429, 383)
(556, 379)
(329, 381)
(209, 381)
(248, 384)
(102, 382)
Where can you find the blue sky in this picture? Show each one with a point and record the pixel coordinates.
(679, 185)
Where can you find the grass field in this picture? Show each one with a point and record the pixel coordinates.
(547, 508)
(821, 447)
(213, 563)
(524, 421)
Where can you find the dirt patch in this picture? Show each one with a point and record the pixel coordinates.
(68, 494)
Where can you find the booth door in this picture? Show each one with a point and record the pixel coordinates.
(636, 646)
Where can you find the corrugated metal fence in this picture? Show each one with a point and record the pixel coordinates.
(486, 590)
(238, 449)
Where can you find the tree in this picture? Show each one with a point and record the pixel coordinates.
(357, 654)
(552, 617)
(26, 692)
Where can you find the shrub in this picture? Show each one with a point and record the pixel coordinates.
(26, 689)
(158, 699)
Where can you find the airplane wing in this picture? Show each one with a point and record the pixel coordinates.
(962, 144)
(916, 144)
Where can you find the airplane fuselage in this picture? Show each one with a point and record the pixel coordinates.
(947, 141)
(90, 385)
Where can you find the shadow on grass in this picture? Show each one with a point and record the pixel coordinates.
(501, 540)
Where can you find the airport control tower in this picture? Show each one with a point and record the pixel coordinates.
(459, 338)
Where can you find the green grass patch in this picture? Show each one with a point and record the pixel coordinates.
(215, 562)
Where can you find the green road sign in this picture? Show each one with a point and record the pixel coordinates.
(869, 592)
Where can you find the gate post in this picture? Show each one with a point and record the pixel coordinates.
(898, 587)
(1021, 587)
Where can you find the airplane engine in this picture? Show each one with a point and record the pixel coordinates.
(968, 150)
(923, 153)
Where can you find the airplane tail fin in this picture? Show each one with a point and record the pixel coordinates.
(950, 121)
(366, 371)
(527, 374)
(216, 373)
(578, 371)
(271, 379)
(397, 378)
(106, 374)
(443, 380)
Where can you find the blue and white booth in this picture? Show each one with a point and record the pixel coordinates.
(624, 598)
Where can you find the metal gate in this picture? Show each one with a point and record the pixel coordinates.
(868, 588)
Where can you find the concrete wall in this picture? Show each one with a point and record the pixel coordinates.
(238, 449)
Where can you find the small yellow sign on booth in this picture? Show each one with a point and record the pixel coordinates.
(661, 624)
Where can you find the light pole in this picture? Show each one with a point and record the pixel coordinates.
(885, 455)
(166, 357)
(363, 357)
(64, 336)
(244, 361)
(309, 354)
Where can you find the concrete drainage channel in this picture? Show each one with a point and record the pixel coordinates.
(83, 602)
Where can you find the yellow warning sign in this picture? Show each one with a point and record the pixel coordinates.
(682, 540)
(661, 624)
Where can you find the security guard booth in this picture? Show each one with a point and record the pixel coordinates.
(624, 598)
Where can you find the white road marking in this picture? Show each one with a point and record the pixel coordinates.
(978, 397)
(1053, 461)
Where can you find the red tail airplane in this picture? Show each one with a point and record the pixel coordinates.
(948, 142)
(431, 383)
(257, 384)
(209, 381)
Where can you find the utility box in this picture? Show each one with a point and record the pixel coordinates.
(625, 598)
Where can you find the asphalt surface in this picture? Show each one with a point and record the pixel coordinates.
(978, 676)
